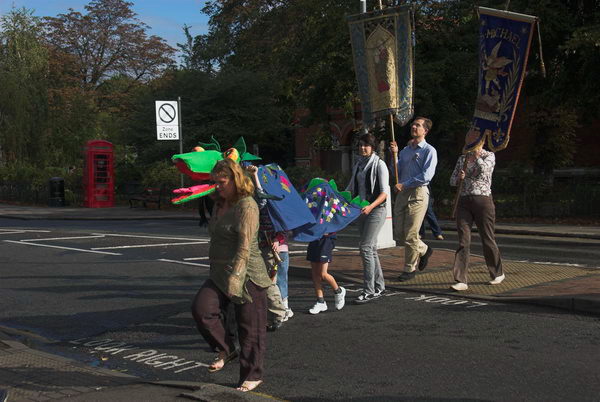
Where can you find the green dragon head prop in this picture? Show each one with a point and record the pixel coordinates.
(199, 163)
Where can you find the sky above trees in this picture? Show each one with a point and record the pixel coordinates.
(165, 18)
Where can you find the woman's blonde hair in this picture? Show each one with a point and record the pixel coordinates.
(228, 168)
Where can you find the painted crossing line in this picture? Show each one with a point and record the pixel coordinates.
(65, 238)
(304, 246)
(345, 248)
(21, 231)
(149, 245)
(61, 247)
(154, 237)
(183, 262)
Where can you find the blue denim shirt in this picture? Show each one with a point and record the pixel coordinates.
(416, 166)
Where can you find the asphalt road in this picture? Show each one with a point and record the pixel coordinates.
(563, 250)
(118, 296)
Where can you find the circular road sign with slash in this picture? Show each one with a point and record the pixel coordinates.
(166, 113)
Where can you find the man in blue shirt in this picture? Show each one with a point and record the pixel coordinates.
(414, 168)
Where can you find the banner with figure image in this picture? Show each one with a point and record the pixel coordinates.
(505, 39)
(382, 46)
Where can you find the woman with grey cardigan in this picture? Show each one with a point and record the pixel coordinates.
(370, 180)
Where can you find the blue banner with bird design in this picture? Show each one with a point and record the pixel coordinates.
(504, 43)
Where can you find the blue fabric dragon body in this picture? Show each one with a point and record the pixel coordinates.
(320, 209)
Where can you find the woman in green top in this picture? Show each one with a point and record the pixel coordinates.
(237, 274)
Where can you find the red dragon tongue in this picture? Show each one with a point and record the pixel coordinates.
(193, 192)
(183, 191)
(200, 188)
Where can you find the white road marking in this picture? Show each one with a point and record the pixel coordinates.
(552, 263)
(195, 258)
(151, 357)
(304, 245)
(62, 248)
(154, 237)
(65, 238)
(446, 300)
(388, 294)
(20, 231)
(183, 262)
(148, 245)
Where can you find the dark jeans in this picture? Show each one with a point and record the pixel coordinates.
(205, 207)
(431, 219)
(207, 309)
(481, 210)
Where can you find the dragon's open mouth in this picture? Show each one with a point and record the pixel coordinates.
(183, 167)
(198, 164)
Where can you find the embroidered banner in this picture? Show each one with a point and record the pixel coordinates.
(504, 42)
(382, 46)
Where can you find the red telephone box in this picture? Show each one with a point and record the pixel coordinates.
(98, 175)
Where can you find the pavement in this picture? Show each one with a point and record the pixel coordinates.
(31, 375)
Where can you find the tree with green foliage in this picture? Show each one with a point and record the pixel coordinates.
(106, 54)
(568, 97)
(108, 41)
(303, 47)
(227, 106)
(23, 79)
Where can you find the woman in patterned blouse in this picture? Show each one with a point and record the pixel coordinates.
(237, 274)
(475, 204)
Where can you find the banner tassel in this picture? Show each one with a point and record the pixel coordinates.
(542, 65)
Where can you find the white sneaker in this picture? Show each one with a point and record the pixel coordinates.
(460, 286)
(318, 308)
(340, 299)
(288, 314)
(498, 280)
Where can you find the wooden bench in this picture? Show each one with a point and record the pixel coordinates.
(148, 196)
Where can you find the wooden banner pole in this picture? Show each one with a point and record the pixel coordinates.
(395, 154)
(458, 189)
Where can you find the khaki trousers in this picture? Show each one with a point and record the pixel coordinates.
(409, 210)
(274, 304)
(481, 210)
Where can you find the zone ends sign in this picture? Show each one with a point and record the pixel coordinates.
(167, 120)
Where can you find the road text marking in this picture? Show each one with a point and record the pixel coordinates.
(150, 357)
(446, 301)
